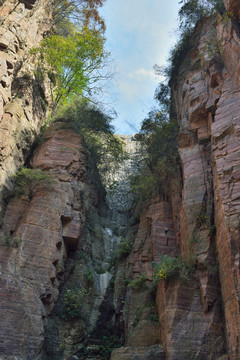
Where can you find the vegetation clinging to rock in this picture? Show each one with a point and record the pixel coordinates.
(73, 300)
(189, 14)
(73, 63)
(170, 266)
(94, 124)
(159, 131)
(28, 181)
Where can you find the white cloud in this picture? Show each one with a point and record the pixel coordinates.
(139, 35)
(143, 74)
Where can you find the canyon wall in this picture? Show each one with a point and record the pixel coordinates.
(65, 242)
(23, 95)
(199, 318)
(46, 228)
(207, 101)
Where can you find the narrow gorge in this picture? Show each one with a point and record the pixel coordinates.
(87, 271)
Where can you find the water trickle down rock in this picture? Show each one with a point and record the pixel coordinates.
(119, 195)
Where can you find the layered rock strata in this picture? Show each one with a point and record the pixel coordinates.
(207, 100)
(64, 238)
(37, 239)
(204, 213)
(23, 96)
(189, 323)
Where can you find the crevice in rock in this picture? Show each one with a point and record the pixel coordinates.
(29, 4)
(3, 47)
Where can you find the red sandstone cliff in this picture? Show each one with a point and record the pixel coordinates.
(207, 101)
(204, 213)
(194, 319)
(47, 228)
(22, 97)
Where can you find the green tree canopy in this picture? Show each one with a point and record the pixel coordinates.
(73, 63)
(193, 10)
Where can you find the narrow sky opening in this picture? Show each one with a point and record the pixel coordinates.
(140, 34)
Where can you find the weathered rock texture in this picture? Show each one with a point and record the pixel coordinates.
(190, 321)
(63, 238)
(207, 101)
(47, 228)
(66, 238)
(22, 95)
(119, 195)
(232, 6)
(202, 218)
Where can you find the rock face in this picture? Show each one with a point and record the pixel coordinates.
(207, 97)
(232, 6)
(68, 287)
(22, 95)
(119, 194)
(46, 228)
(203, 212)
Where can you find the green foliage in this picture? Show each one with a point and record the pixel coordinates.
(171, 266)
(79, 255)
(11, 242)
(73, 63)
(86, 116)
(139, 282)
(149, 309)
(163, 96)
(94, 125)
(125, 247)
(193, 239)
(73, 301)
(189, 14)
(178, 53)
(154, 318)
(89, 276)
(108, 344)
(194, 10)
(159, 141)
(27, 181)
(159, 132)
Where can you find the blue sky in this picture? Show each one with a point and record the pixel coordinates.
(139, 34)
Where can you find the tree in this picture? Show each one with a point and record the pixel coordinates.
(79, 12)
(193, 10)
(73, 63)
(160, 153)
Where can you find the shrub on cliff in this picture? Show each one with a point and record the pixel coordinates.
(160, 152)
(27, 181)
(189, 14)
(194, 10)
(139, 282)
(125, 247)
(73, 300)
(170, 266)
(92, 122)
